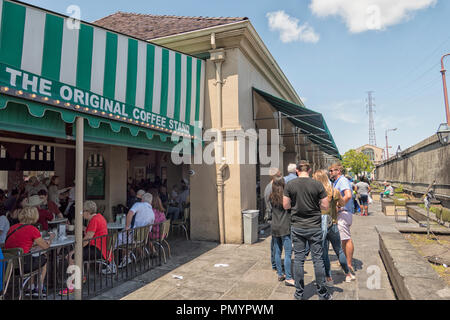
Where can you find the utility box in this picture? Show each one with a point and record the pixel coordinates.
(250, 218)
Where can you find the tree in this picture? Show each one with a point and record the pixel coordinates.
(357, 162)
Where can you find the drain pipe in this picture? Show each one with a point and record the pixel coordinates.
(218, 57)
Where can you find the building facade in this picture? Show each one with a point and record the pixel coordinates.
(147, 88)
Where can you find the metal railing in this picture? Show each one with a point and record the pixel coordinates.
(47, 274)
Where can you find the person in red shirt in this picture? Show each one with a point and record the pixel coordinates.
(48, 204)
(97, 230)
(26, 236)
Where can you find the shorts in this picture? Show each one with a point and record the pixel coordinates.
(344, 223)
(31, 263)
(363, 200)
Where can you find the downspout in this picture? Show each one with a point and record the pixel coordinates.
(218, 56)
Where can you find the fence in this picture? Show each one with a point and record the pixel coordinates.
(49, 275)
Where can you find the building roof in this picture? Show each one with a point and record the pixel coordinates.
(149, 26)
(369, 146)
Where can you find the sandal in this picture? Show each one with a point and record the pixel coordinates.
(289, 283)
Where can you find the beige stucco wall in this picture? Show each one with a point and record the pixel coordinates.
(240, 179)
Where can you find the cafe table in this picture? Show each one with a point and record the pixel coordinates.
(115, 226)
(57, 221)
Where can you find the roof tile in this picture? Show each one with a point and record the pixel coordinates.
(148, 26)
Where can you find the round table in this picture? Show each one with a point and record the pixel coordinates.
(115, 226)
(61, 242)
(57, 221)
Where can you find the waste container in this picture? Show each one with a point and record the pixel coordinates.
(250, 225)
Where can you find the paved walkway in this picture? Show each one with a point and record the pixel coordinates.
(249, 274)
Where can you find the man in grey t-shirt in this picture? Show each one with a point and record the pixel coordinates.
(363, 190)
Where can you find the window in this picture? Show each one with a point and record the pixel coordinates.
(370, 153)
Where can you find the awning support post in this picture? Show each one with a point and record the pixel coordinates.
(79, 166)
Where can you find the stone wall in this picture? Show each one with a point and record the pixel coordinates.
(416, 167)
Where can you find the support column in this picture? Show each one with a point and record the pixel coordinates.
(79, 205)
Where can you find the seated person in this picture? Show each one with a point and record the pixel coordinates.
(388, 190)
(141, 214)
(4, 226)
(96, 248)
(26, 236)
(160, 217)
(49, 205)
(44, 215)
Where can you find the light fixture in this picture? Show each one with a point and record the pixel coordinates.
(20, 92)
(443, 133)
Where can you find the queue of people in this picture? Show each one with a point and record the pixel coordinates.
(306, 215)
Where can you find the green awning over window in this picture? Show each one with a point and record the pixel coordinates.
(309, 122)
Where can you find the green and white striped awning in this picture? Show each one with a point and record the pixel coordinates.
(91, 70)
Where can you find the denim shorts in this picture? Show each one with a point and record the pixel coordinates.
(363, 200)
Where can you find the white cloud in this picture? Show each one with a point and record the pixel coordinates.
(364, 15)
(289, 28)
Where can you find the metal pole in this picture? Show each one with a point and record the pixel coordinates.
(444, 81)
(387, 147)
(79, 205)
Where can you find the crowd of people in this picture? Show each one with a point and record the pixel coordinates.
(25, 213)
(307, 212)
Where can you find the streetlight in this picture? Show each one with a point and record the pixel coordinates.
(444, 82)
(387, 145)
(443, 132)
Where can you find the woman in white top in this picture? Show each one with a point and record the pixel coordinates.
(53, 192)
(4, 226)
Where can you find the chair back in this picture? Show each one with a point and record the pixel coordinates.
(141, 234)
(8, 259)
(112, 240)
(164, 233)
(187, 212)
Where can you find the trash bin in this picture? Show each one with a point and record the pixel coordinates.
(250, 225)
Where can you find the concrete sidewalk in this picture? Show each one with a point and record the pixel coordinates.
(249, 274)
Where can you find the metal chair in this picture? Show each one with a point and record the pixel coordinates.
(164, 233)
(183, 223)
(11, 259)
(400, 206)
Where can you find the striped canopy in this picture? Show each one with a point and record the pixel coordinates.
(103, 63)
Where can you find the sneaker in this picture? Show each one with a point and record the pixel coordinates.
(349, 278)
(124, 262)
(289, 283)
(281, 278)
(329, 283)
(35, 292)
(65, 292)
(324, 294)
(110, 269)
(27, 292)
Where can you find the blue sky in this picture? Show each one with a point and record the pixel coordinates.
(337, 57)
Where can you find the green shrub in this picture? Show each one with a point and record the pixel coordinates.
(437, 211)
(446, 214)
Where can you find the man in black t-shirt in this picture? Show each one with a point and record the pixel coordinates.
(305, 197)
